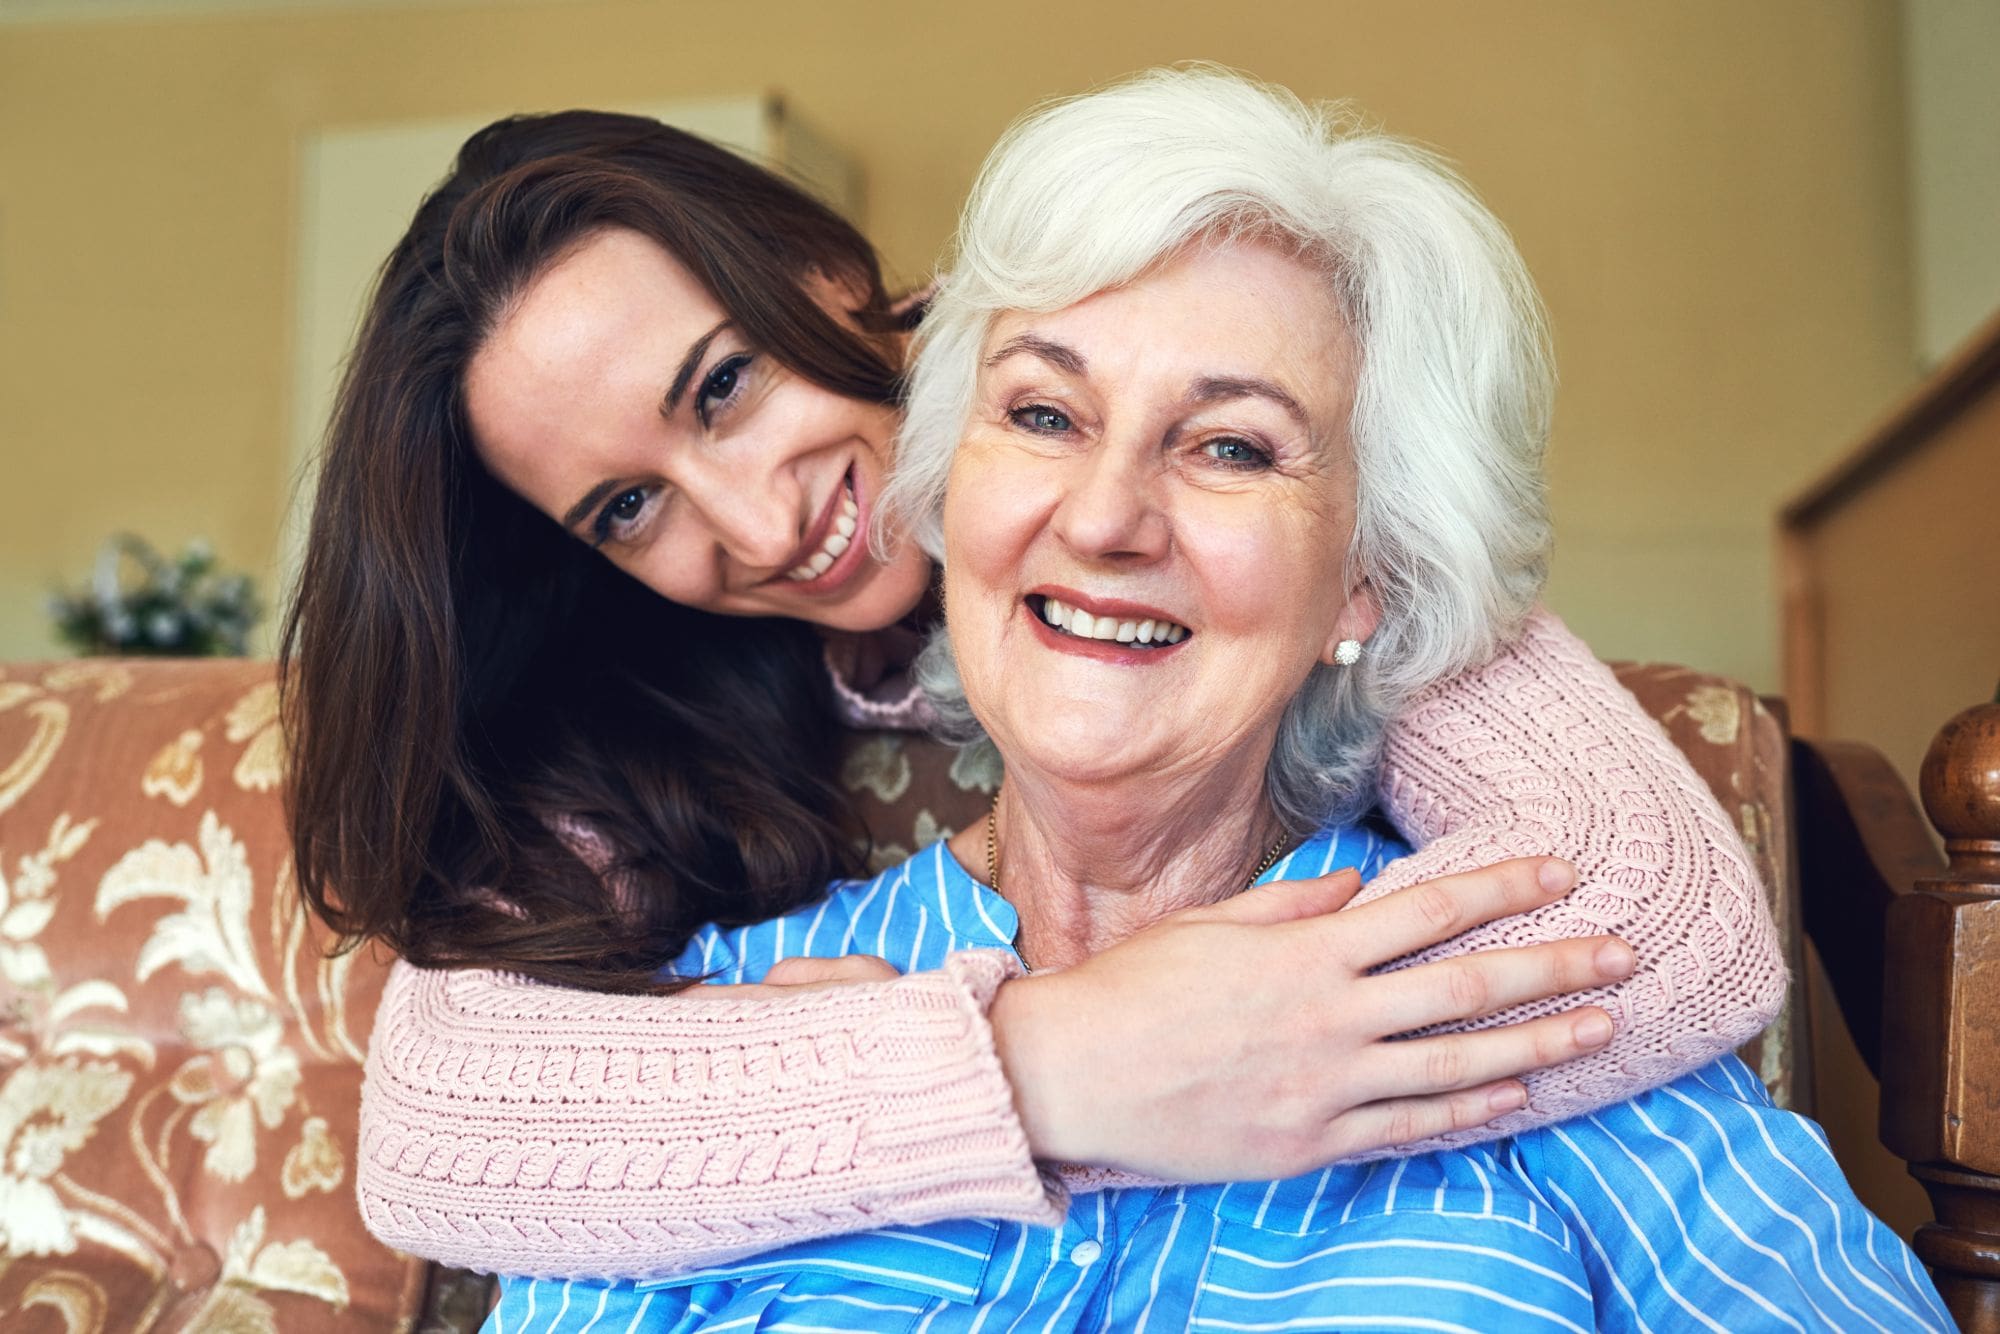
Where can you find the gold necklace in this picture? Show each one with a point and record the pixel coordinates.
(993, 848)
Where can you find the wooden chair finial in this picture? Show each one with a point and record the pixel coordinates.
(1961, 792)
(1941, 1022)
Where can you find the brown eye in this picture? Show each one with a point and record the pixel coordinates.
(721, 386)
(618, 512)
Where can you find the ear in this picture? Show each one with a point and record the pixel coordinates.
(1357, 620)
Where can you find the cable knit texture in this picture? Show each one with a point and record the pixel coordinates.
(524, 1128)
(527, 1129)
(1550, 755)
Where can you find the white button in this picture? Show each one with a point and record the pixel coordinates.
(1086, 1252)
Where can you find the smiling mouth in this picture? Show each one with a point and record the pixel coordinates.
(839, 537)
(1078, 624)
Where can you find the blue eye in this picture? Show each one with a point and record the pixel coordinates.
(721, 385)
(1041, 417)
(1236, 453)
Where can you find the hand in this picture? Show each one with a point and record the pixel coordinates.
(1250, 1040)
(815, 973)
(790, 976)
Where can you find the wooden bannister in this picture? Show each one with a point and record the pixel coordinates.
(1888, 561)
(1941, 1022)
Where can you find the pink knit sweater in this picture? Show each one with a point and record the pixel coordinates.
(522, 1128)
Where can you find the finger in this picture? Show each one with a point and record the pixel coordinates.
(828, 972)
(1288, 900)
(911, 304)
(1395, 1122)
(1408, 920)
(1469, 985)
(1467, 1060)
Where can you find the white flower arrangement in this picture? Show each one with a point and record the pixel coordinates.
(140, 602)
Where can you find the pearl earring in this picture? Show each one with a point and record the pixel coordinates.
(1347, 652)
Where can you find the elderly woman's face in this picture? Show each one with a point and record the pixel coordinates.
(1148, 518)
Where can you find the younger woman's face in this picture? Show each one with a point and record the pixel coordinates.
(617, 397)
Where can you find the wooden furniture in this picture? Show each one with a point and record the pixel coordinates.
(1890, 575)
(1941, 1021)
(1891, 585)
(1911, 942)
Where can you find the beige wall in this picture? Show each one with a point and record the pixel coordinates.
(1710, 194)
(1951, 50)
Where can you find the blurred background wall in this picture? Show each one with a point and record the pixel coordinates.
(1755, 225)
(1716, 199)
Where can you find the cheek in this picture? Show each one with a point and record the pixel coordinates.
(813, 417)
(1270, 576)
(666, 570)
(990, 514)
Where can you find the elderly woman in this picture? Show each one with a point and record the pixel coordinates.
(1226, 428)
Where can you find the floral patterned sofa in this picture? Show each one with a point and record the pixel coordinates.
(180, 1062)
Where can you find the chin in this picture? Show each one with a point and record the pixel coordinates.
(1077, 751)
(876, 606)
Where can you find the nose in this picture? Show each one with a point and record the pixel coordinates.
(754, 519)
(1112, 508)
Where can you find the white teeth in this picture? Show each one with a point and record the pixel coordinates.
(1083, 625)
(837, 541)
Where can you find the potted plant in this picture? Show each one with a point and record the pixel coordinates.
(140, 602)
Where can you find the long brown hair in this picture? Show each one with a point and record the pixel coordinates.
(466, 687)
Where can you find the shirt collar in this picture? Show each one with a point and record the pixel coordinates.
(977, 917)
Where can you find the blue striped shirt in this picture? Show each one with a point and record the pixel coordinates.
(1697, 1206)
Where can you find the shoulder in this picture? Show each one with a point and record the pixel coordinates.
(1709, 1144)
(1365, 845)
(826, 928)
(1709, 1114)
(1706, 1201)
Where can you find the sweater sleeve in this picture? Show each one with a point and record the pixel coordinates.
(517, 1127)
(1541, 751)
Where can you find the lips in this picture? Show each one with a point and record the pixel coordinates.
(839, 536)
(833, 550)
(1107, 629)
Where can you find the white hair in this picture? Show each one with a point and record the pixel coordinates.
(1452, 402)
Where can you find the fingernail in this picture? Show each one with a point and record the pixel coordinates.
(1512, 1098)
(1614, 959)
(1592, 1030)
(1556, 876)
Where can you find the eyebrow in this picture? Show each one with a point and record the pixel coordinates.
(597, 495)
(1059, 355)
(1207, 389)
(689, 364)
(683, 377)
(1222, 388)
